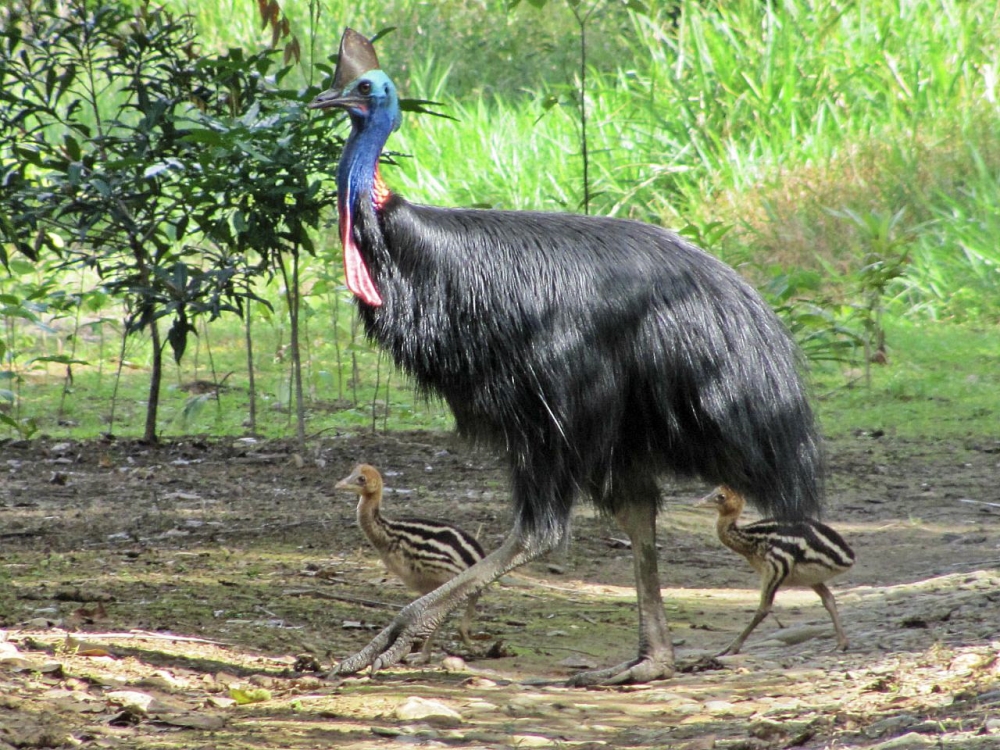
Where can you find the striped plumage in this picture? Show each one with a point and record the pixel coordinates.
(423, 553)
(784, 553)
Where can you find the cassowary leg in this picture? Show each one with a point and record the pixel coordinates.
(421, 618)
(656, 650)
(463, 627)
(424, 655)
(831, 606)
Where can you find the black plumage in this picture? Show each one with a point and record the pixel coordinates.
(597, 354)
(590, 349)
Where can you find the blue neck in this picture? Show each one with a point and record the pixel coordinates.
(356, 171)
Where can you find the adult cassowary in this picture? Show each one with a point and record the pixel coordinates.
(596, 353)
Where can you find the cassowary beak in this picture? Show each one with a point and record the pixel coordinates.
(335, 98)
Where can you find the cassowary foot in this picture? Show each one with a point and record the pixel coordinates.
(385, 649)
(640, 670)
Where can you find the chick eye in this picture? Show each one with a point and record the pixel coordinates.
(364, 88)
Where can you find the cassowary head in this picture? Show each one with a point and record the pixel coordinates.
(369, 97)
(361, 87)
(364, 480)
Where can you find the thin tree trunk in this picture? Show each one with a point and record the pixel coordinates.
(292, 301)
(378, 379)
(68, 382)
(335, 306)
(118, 380)
(251, 381)
(211, 367)
(155, 378)
(300, 404)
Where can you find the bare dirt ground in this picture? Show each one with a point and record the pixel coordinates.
(182, 596)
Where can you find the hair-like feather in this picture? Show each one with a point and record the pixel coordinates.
(598, 353)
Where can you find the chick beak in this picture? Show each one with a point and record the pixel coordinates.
(706, 502)
(347, 483)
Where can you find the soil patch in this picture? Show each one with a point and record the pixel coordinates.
(180, 596)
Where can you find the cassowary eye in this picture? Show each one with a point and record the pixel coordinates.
(364, 88)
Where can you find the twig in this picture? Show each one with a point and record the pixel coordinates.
(974, 563)
(341, 598)
(145, 635)
(562, 648)
(978, 502)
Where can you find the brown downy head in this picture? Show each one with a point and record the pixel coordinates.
(364, 480)
(725, 500)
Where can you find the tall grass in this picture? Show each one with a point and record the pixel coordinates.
(775, 119)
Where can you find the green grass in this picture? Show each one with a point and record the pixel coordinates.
(372, 396)
(778, 120)
(940, 381)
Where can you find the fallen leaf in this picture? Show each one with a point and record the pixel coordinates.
(130, 699)
(242, 696)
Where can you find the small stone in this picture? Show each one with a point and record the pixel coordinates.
(578, 662)
(909, 741)
(454, 664)
(130, 699)
(421, 709)
(719, 707)
(41, 623)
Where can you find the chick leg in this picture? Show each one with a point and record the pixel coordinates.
(831, 606)
(421, 618)
(656, 651)
(767, 593)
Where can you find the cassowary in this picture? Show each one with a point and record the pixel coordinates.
(597, 354)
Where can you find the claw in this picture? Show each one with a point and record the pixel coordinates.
(639, 670)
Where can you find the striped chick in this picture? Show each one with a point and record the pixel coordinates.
(423, 553)
(802, 553)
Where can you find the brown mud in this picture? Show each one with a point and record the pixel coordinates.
(179, 596)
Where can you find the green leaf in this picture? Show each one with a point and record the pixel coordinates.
(243, 696)
(418, 106)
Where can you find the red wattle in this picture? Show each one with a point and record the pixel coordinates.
(359, 281)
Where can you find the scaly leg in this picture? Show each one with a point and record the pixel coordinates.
(831, 606)
(424, 656)
(766, 602)
(421, 618)
(656, 650)
(463, 627)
